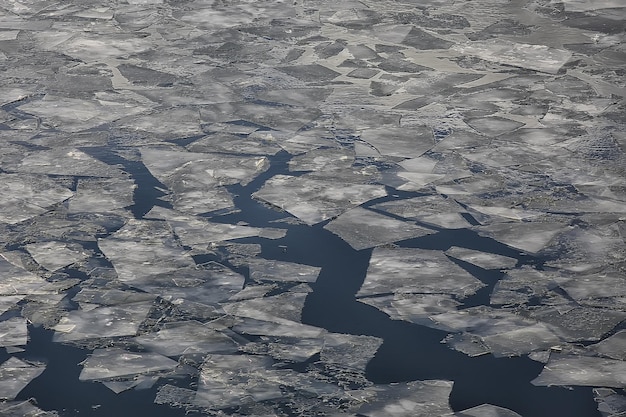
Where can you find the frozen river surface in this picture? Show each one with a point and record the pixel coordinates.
(313, 208)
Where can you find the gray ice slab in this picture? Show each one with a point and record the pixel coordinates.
(267, 325)
(182, 338)
(13, 332)
(362, 229)
(417, 271)
(26, 196)
(613, 346)
(55, 255)
(410, 399)
(314, 200)
(520, 286)
(432, 209)
(138, 382)
(522, 341)
(96, 195)
(591, 5)
(482, 321)
(323, 160)
(467, 343)
(535, 57)
(598, 285)
(295, 349)
(270, 270)
(19, 282)
(234, 144)
(110, 297)
(15, 375)
(115, 321)
(530, 237)
(610, 402)
(487, 410)
(24, 409)
(582, 370)
(114, 362)
(484, 260)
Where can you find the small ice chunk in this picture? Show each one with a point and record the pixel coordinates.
(400, 142)
(123, 320)
(114, 362)
(408, 270)
(484, 260)
(24, 409)
(270, 270)
(487, 410)
(55, 255)
(13, 332)
(138, 382)
(362, 228)
(582, 370)
(535, 57)
(531, 237)
(432, 209)
(187, 337)
(467, 343)
(15, 374)
(494, 126)
(314, 200)
(610, 403)
(613, 346)
(410, 399)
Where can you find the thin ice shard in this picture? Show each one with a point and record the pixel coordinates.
(113, 362)
(15, 374)
(270, 270)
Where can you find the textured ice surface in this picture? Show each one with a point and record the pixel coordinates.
(314, 200)
(55, 255)
(13, 332)
(487, 410)
(582, 370)
(613, 346)
(416, 308)
(416, 398)
(416, 271)
(363, 228)
(482, 259)
(268, 270)
(431, 209)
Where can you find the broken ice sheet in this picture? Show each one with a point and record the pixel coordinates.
(314, 200)
(295, 349)
(484, 260)
(409, 399)
(114, 362)
(594, 287)
(522, 341)
(24, 409)
(535, 57)
(579, 323)
(362, 229)
(610, 402)
(55, 255)
(408, 270)
(351, 351)
(523, 285)
(235, 144)
(25, 196)
(18, 281)
(582, 370)
(114, 321)
(182, 338)
(591, 5)
(270, 270)
(287, 305)
(15, 374)
(432, 209)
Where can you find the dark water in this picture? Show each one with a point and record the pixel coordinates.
(409, 352)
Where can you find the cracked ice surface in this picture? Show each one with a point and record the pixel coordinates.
(312, 208)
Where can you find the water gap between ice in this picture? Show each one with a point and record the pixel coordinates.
(409, 352)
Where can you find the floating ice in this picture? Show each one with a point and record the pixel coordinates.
(24, 409)
(19, 281)
(579, 323)
(487, 410)
(362, 229)
(267, 325)
(269, 270)
(113, 362)
(287, 305)
(110, 297)
(15, 374)
(528, 236)
(416, 271)
(432, 209)
(294, 349)
(613, 346)
(400, 142)
(97, 195)
(415, 308)
(114, 321)
(582, 370)
(521, 286)
(610, 403)
(591, 5)
(351, 351)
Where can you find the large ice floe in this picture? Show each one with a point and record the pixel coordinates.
(313, 208)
